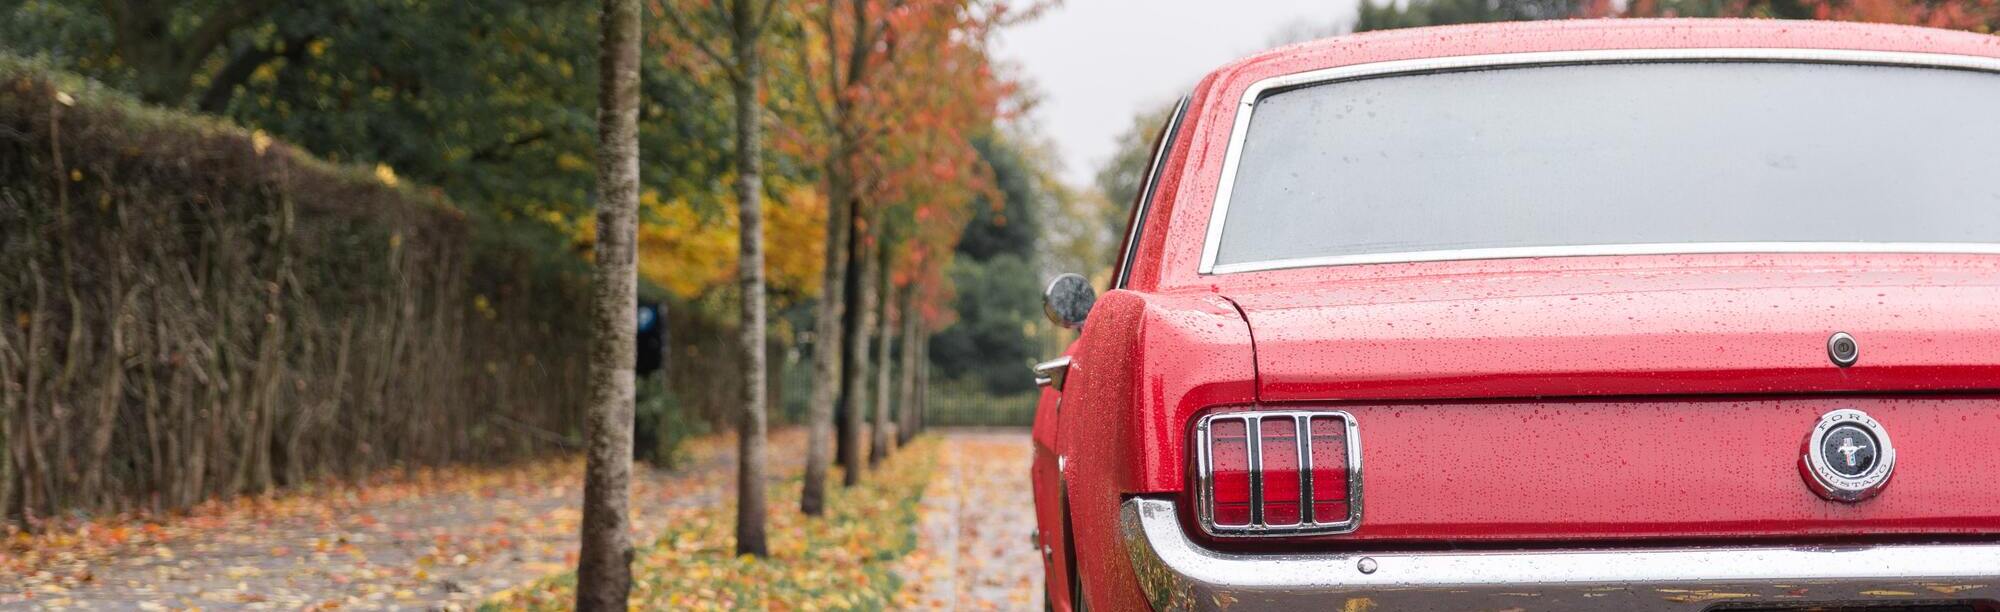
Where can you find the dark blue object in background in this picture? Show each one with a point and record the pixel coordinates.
(652, 340)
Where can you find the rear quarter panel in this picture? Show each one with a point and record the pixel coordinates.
(1143, 362)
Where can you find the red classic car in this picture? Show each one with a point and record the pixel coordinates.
(1629, 315)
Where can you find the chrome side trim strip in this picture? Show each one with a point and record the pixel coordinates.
(1248, 104)
(1177, 574)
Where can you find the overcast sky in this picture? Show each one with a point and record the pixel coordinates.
(1094, 63)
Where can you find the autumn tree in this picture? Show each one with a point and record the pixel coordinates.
(877, 68)
(743, 62)
(835, 66)
(604, 567)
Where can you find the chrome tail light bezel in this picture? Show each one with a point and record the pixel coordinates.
(1301, 419)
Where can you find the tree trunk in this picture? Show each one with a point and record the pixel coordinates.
(923, 380)
(604, 566)
(844, 401)
(906, 407)
(856, 403)
(27, 451)
(879, 434)
(828, 338)
(827, 344)
(750, 274)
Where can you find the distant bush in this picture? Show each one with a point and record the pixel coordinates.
(193, 309)
(661, 427)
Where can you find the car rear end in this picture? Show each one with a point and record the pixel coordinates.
(1639, 316)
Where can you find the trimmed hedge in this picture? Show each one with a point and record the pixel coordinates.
(192, 309)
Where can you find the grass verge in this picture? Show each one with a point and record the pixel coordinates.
(841, 561)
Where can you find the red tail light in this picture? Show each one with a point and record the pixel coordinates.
(1290, 472)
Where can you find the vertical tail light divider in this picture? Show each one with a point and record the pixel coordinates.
(1313, 500)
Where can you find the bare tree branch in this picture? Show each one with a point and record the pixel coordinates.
(504, 148)
(681, 27)
(762, 18)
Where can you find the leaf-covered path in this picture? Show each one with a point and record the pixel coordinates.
(974, 550)
(444, 539)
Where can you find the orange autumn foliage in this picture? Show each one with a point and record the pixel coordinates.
(927, 89)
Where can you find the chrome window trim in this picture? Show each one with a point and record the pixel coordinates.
(1247, 105)
(1145, 203)
(1674, 248)
(1253, 434)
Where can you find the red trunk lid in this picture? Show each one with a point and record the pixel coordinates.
(1642, 397)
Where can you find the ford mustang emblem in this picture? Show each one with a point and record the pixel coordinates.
(1848, 456)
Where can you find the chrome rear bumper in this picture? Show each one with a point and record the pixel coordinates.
(1177, 574)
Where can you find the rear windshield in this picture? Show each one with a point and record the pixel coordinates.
(1616, 154)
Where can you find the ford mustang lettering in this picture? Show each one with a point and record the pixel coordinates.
(1588, 300)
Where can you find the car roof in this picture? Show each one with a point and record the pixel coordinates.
(1594, 34)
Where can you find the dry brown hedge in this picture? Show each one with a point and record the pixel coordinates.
(189, 309)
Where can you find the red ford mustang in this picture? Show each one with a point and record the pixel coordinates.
(1631, 315)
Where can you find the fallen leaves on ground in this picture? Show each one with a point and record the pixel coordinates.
(974, 549)
(422, 538)
(841, 561)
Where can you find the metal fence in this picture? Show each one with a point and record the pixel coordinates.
(965, 403)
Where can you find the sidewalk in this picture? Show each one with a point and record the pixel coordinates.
(973, 549)
(444, 540)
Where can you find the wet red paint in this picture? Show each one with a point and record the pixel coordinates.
(1601, 399)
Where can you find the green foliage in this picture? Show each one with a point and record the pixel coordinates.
(660, 426)
(1419, 13)
(997, 300)
(1010, 225)
(489, 101)
(1122, 176)
(995, 276)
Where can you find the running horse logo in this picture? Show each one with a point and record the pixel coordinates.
(1848, 448)
(1847, 457)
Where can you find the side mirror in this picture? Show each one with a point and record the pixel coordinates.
(1068, 299)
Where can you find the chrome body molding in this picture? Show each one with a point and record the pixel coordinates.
(1053, 372)
(1178, 574)
(1246, 106)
